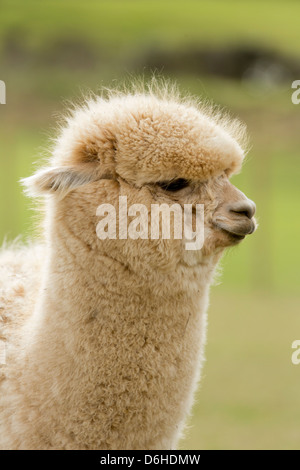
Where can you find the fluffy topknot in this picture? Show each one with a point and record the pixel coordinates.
(145, 134)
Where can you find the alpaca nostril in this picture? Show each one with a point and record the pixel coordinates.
(246, 208)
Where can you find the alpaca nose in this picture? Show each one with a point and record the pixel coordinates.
(246, 207)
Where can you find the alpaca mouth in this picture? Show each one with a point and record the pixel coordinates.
(234, 236)
(237, 228)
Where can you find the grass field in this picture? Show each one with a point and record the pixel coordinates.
(249, 394)
(126, 25)
(53, 51)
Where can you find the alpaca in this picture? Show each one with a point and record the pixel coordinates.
(104, 338)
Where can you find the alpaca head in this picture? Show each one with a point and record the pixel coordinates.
(153, 148)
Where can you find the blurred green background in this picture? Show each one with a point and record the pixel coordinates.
(244, 56)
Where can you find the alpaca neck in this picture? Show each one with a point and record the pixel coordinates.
(78, 280)
(97, 321)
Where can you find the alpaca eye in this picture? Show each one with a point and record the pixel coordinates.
(175, 185)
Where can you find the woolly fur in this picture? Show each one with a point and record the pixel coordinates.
(105, 338)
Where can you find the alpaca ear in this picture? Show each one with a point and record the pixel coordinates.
(58, 180)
